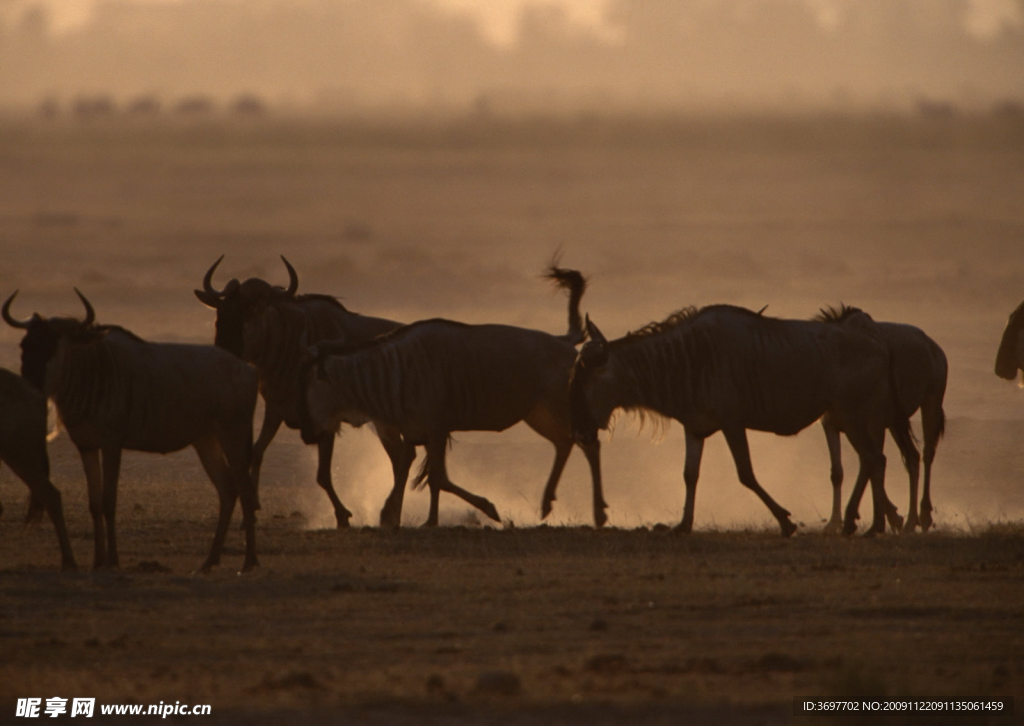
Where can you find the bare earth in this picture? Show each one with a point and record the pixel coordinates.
(465, 624)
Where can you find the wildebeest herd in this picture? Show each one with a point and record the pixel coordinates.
(318, 365)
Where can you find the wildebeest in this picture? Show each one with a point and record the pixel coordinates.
(1010, 357)
(272, 327)
(919, 372)
(23, 447)
(437, 376)
(115, 391)
(725, 368)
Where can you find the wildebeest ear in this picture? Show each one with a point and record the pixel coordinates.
(207, 299)
(594, 333)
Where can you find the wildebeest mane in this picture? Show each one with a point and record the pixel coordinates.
(328, 348)
(319, 297)
(830, 314)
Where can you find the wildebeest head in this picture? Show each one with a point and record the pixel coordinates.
(42, 336)
(240, 303)
(1011, 350)
(589, 413)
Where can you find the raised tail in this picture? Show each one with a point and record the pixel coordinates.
(576, 284)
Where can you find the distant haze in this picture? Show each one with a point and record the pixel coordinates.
(518, 56)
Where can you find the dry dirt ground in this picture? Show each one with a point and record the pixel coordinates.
(463, 624)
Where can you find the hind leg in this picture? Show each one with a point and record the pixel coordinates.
(872, 468)
(932, 422)
(236, 447)
(212, 457)
(912, 463)
(691, 472)
(438, 481)
(35, 472)
(737, 440)
(402, 454)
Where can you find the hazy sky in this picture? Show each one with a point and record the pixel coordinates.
(499, 19)
(518, 53)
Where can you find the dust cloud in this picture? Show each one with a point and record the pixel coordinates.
(916, 220)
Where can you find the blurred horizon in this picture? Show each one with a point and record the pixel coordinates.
(512, 57)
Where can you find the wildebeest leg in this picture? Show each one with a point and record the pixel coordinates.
(593, 453)
(272, 421)
(402, 454)
(111, 472)
(94, 479)
(213, 460)
(872, 467)
(436, 473)
(835, 454)
(235, 444)
(325, 450)
(34, 471)
(562, 451)
(691, 472)
(35, 511)
(932, 423)
(737, 440)
(553, 428)
(912, 462)
(438, 481)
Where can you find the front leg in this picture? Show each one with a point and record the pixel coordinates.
(402, 454)
(111, 472)
(691, 472)
(94, 480)
(835, 454)
(325, 449)
(272, 420)
(737, 440)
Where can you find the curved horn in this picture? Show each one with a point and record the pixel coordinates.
(7, 314)
(293, 278)
(208, 280)
(594, 333)
(90, 314)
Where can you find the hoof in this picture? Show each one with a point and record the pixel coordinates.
(71, 566)
(849, 528)
(833, 528)
(910, 525)
(491, 512)
(682, 528)
(926, 520)
(545, 508)
(390, 515)
(343, 517)
(249, 565)
(788, 528)
(600, 518)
